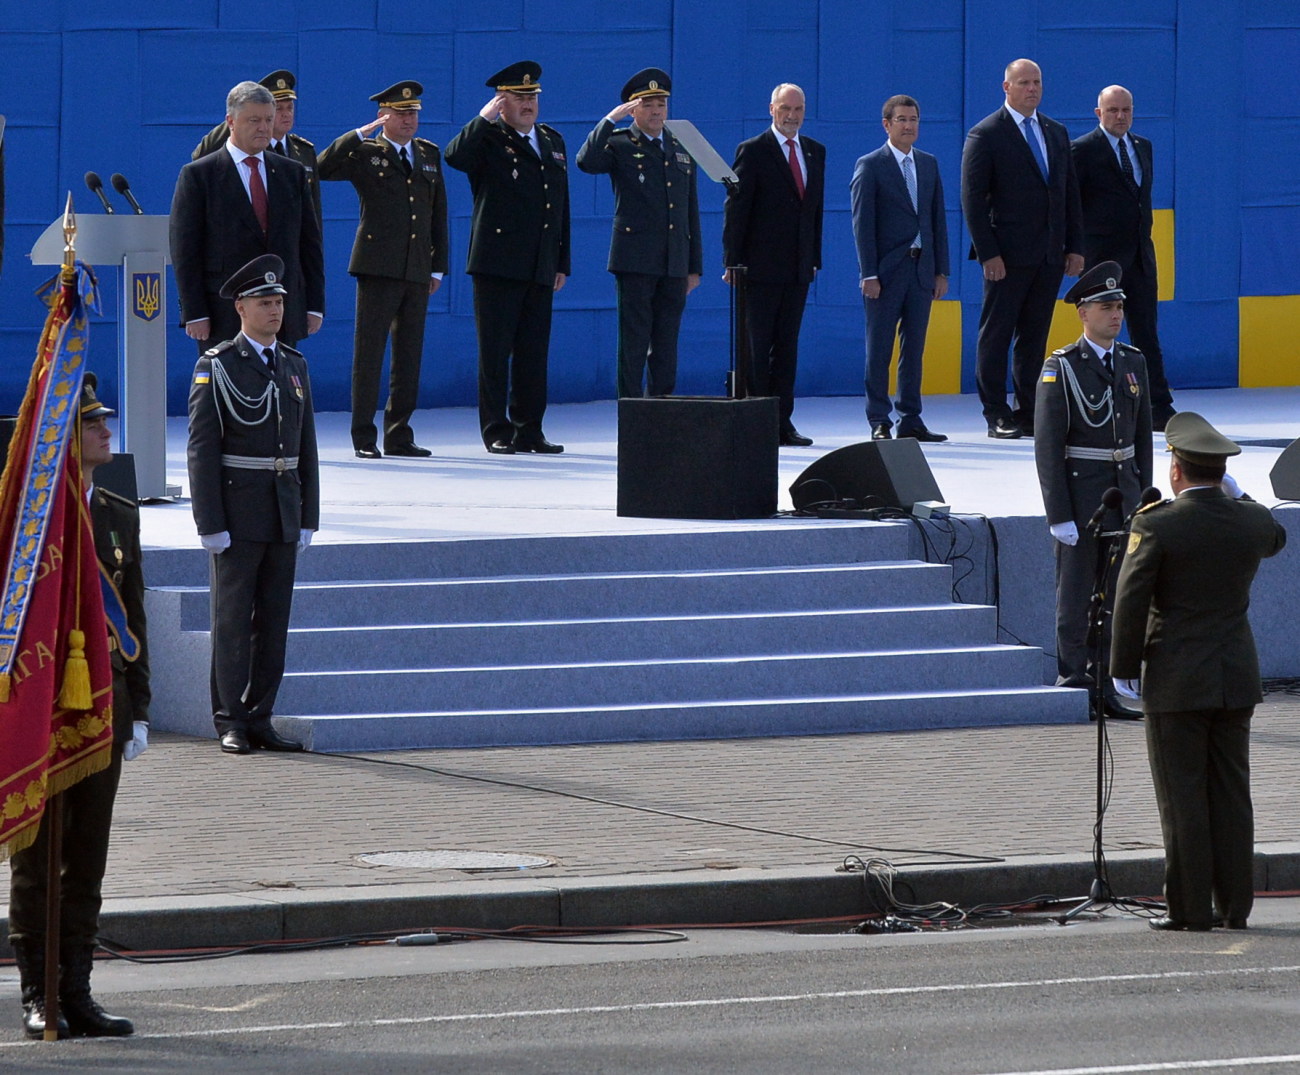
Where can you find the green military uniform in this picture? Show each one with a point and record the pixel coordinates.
(1181, 624)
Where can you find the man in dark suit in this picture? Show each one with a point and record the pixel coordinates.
(1114, 169)
(1181, 625)
(1021, 202)
(772, 225)
(399, 259)
(1092, 433)
(902, 241)
(255, 493)
(232, 206)
(283, 87)
(656, 252)
(518, 254)
(88, 804)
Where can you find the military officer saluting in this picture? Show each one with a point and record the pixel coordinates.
(656, 252)
(518, 254)
(255, 492)
(1092, 432)
(283, 87)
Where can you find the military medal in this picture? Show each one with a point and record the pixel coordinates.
(683, 158)
(1132, 383)
(297, 385)
(378, 161)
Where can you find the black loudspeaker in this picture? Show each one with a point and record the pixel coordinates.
(872, 474)
(1285, 474)
(694, 458)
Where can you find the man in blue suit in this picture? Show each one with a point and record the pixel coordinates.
(902, 241)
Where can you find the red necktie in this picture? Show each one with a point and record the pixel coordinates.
(257, 191)
(794, 166)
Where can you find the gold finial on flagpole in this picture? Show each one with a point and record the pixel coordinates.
(69, 236)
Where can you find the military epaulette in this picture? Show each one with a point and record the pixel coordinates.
(225, 345)
(1061, 350)
(299, 140)
(548, 129)
(117, 498)
(1127, 348)
(1153, 504)
(288, 350)
(426, 142)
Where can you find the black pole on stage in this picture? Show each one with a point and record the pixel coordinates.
(53, 820)
(741, 352)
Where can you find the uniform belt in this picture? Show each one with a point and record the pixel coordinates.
(260, 462)
(1108, 455)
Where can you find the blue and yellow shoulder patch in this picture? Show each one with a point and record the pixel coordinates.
(1049, 375)
(202, 376)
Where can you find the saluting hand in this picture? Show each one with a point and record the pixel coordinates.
(372, 126)
(622, 112)
(492, 109)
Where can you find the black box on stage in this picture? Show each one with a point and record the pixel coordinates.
(684, 457)
(872, 474)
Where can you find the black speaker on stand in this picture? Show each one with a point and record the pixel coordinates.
(872, 474)
(1285, 475)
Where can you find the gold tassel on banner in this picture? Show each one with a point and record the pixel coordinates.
(75, 693)
(4, 687)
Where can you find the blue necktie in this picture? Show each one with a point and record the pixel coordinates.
(1032, 138)
(909, 177)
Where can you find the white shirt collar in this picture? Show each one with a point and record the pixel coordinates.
(238, 155)
(1098, 350)
(781, 139)
(1020, 119)
(899, 155)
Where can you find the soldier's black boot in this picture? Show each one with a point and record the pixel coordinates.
(86, 1019)
(30, 957)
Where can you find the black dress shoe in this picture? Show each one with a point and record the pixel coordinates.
(410, 451)
(267, 738)
(1120, 708)
(919, 432)
(881, 431)
(538, 444)
(1166, 923)
(369, 451)
(235, 742)
(1005, 429)
(792, 438)
(501, 447)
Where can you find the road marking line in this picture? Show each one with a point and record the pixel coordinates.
(1170, 1065)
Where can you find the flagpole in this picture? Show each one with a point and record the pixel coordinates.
(53, 819)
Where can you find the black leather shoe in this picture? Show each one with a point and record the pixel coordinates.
(369, 451)
(1120, 708)
(881, 431)
(501, 447)
(1166, 923)
(792, 438)
(267, 738)
(1005, 429)
(538, 444)
(410, 451)
(919, 432)
(235, 742)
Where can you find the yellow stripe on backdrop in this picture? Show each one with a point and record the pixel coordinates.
(941, 362)
(1266, 338)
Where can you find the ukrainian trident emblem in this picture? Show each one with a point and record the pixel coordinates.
(147, 289)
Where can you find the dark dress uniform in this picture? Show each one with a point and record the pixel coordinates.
(1181, 624)
(519, 241)
(401, 242)
(656, 244)
(1092, 432)
(254, 474)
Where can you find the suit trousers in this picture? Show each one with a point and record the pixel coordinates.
(649, 317)
(1140, 305)
(902, 310)
(387, 308)
(87, 819)
(774, 317)
(1200, 764)
(513, 320)
(251, 599)
(1019, 307)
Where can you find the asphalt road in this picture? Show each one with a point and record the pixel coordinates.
(1098, 997)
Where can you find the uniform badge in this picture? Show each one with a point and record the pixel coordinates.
(641, 177)
(637, 156)
(202, 378)
(514, 174)
(557, 155)
(1133, 385)
(683, 158)
(1134, 540)
(297, 385)
(1049, 376)
(511, 149)
(378, 161)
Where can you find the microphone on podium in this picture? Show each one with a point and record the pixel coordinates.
(124, 188)
(96, 186)
(1150, 495)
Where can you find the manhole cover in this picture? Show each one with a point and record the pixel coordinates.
(456, 860)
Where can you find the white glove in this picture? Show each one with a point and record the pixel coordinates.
(1128, 688)
(1231, 487)
(138, 743)
(216, 542)
(1065, 533)
(304, 538)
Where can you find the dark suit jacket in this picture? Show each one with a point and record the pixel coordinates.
(296, 148)
(1011, 211)
(520, 227)
(656, 202)
(1116, 218)
(1182, 599)
(766, 226)
(116, 524)
(214, 233)
(884, 222)
(402, 233)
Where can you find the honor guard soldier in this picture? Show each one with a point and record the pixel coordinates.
(518, 254)
(399, 258)
(255, 492)
(656, 252)
(1182, 628)
(283, 87)
(1092, 432)
(88, 804)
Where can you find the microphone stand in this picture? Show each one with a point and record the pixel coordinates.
(1100, 894)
